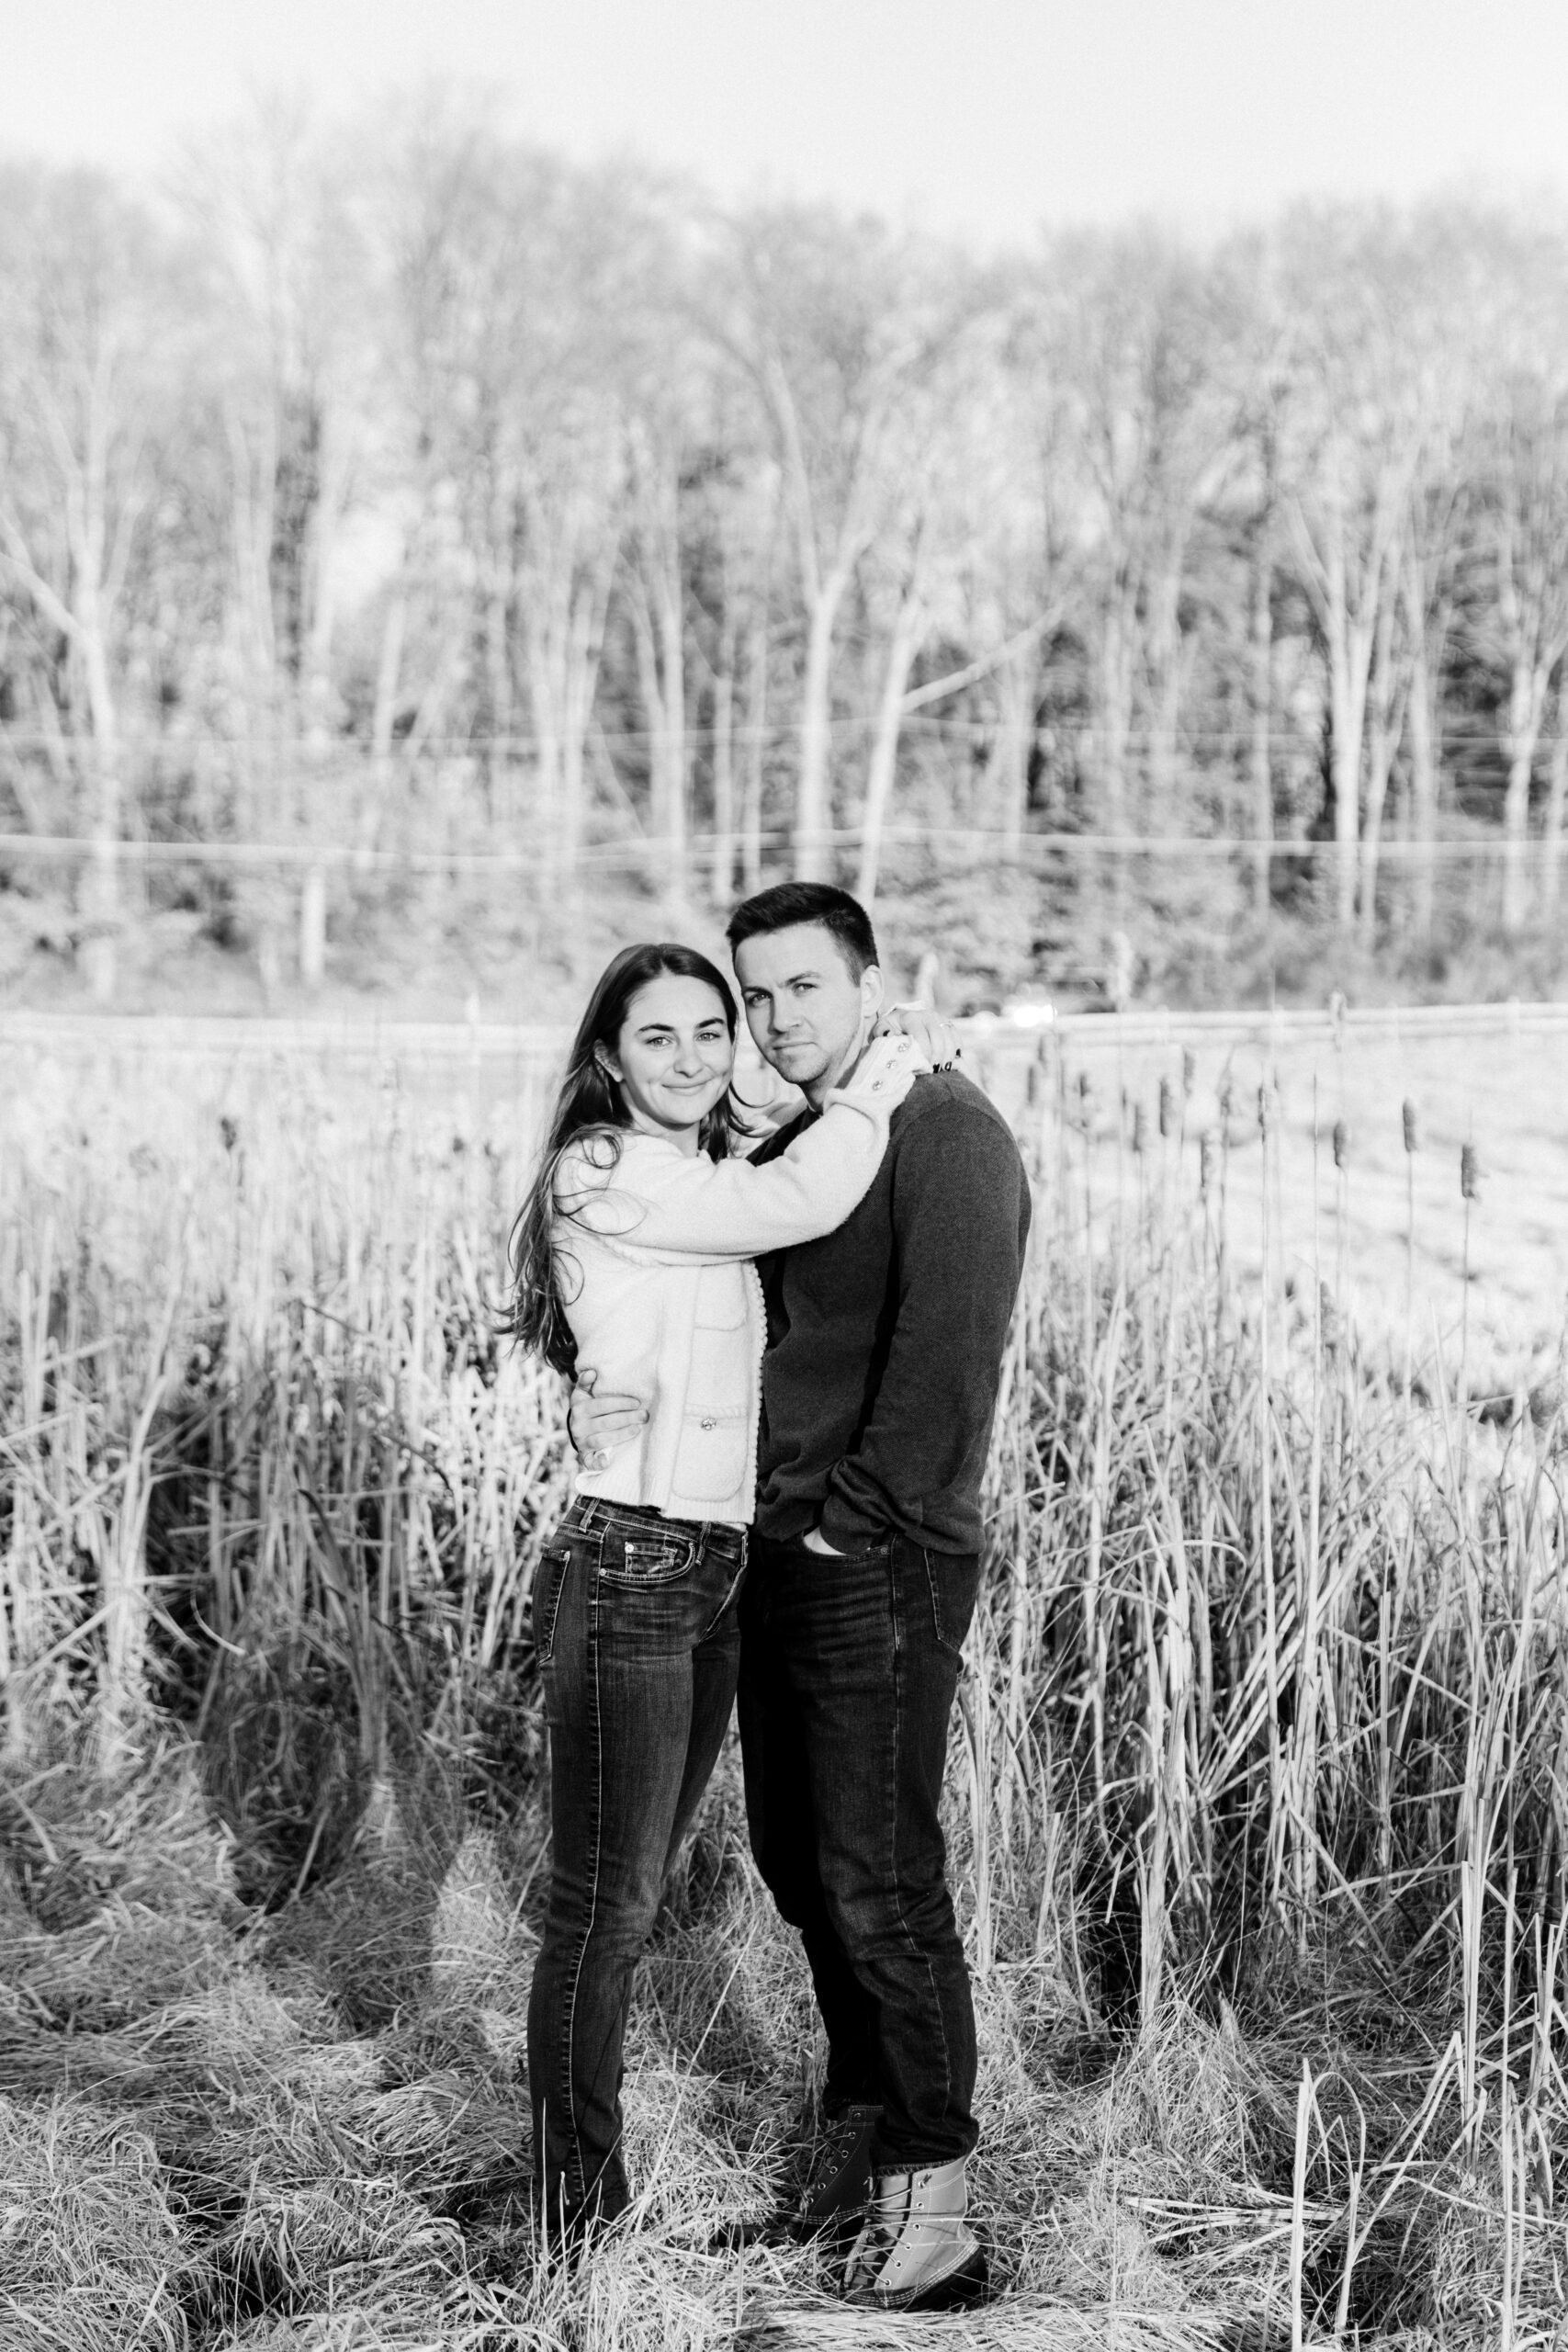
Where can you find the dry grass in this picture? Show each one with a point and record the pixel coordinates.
(1258, 1803)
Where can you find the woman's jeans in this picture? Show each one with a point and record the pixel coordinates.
(849, 1669)
(636, 1622)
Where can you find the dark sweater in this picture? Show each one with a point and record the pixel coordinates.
(886, 1339)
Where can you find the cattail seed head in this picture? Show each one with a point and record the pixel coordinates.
(1341, 1143)
(1469, 1172)
(1330, 1320)
(1227, 1096)
(1140, 1129)
(1408, 1114)
(1263, 1110)
(1188, 1070)
(1205, 1164)
(1034, 1086)
(1167, 1107)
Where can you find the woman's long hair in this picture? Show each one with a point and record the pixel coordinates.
(588, 1104)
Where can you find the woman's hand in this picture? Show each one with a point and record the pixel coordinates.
(936, 1038)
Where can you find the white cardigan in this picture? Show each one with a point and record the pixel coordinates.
(655, 1251)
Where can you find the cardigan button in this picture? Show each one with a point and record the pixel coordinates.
(709, 1422)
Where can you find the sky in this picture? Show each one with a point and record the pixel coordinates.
(981, 117)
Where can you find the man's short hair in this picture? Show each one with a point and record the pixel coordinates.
(788, 903)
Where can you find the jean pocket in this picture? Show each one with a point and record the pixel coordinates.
(953, 1579)
(877, 1549)
(549, 1583)
(728, 1607)
(638, 1561)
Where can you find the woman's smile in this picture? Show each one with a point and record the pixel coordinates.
(672, 1059)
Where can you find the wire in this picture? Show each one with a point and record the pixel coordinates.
(648, 848)
(1066, 732)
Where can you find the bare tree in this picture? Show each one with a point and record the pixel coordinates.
(1385, 372)
(1255, 493)
(1260, 651)
(1527, 512)
(1426, 600)
(922, 548)
(835, 325)
(656, 597)
(511, 285)
(1020, 546)
(1349, 481)
(1556, 805)
(1144, 342)
(558, 363)
(288, 269)
(84, 386)
(433, 205)
(733, 519)
(669, 431)
(446, 450)
(1387, 692)
(906, 606)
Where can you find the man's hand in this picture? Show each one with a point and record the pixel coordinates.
(936, 1039)
(597, 1425)
(817, 1541)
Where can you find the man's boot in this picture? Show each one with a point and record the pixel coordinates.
(916, 2251)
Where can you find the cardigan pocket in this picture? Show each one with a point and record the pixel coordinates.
(712, 1465)
(721, 1299)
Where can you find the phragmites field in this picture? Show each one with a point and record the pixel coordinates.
(1257, 1805)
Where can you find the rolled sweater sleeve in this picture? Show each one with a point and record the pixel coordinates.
(960, 1207)
(672, 1209)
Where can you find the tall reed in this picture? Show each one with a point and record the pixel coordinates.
(1268, 1676)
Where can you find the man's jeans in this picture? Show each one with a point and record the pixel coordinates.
(848, 1671)
(636, 1622)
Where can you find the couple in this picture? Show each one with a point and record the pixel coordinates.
(794, 1362)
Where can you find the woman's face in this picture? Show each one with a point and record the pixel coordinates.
(673, 1056)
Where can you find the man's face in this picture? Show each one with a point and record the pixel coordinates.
(808, 1012)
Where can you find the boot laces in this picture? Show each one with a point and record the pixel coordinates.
(885, 2217)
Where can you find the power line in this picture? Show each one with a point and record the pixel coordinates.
(1066, 732)
(256, 1036)
(1023, 849)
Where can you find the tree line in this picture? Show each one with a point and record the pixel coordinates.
(367, 469)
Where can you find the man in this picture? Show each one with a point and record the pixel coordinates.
(879, 1387)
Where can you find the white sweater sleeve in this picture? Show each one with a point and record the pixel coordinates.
(661, 1205)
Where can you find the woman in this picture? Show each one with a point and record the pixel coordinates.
(633, 1253)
